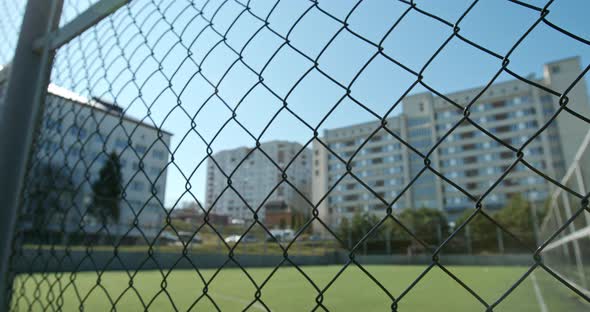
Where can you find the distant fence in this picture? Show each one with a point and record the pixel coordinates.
(567, 247)
(39, 261)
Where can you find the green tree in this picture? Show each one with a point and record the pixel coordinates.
(517, 218)
(482, 231)
(107, 190)
(429, 225)
(360, 225)
(50, 193)
(344, 230)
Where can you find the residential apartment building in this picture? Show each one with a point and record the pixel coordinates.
(77, 135)
(257, 181)
(513, 111)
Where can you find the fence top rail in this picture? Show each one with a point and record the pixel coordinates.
(81, 23)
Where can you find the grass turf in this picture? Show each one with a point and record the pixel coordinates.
(288, 290)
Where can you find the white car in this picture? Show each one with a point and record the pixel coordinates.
(232, 239)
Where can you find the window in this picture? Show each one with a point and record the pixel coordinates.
(53, 124)
(137, 186)
(374, 150)
(498, 104)
(98, 138)
(546, 99)
(120, 143)
(555, 69)
(467, 135)
(281, 156)
(159, 154)
(376, 161)
(140, 148)
(470, 160)
(351, 197)
(80, 133)
(419, 132)
(417, 121)
(502, 116)
(471, 173)
(156, 171)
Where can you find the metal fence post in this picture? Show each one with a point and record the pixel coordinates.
(468, 239)
(27, 86)
(500, 238)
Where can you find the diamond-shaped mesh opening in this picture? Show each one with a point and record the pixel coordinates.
(289, 155)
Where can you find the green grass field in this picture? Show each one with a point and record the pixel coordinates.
(289, 291)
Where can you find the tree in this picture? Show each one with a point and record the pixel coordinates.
(107, 190)
(517, 218)
(344, 230)
(429, 225)
(482, 231)
(356, 228)
(50, 194)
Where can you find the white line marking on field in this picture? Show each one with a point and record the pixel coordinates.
(256, 305)
(538, 293)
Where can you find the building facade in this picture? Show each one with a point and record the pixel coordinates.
(76, 137)
(512, 111)
(257, 181)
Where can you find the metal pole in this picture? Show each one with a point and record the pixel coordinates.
(27, 87)
(468, 239)
(500, 238)
(388, 241)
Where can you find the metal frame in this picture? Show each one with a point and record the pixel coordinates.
(555, 210)
(82, 22)
(39, 37)
(19, 113)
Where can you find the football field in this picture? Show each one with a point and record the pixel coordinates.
(287, 290)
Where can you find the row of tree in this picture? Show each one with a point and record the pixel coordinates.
(415, 228)
(51, 196)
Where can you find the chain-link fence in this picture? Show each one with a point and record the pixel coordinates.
(267, 155)
(570, 247)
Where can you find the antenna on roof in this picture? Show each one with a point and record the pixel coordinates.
(108, 105)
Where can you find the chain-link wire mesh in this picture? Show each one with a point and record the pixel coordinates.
(152, 94)
(12, 12)
(570, 247)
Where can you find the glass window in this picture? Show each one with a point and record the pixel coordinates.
(137, 186)
(120, 143)
(159, 154)
(140, 148)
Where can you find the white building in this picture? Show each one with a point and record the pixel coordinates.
(512, 111)
(77, 135)
(256, 179)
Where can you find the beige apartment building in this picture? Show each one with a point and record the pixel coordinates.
(513, 111)
(257, 182)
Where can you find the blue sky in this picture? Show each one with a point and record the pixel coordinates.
(495, 24)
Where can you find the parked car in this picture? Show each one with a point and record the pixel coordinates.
(281, 235)
(314, 238)
(186, 236)
(249, 239)
(246, 239)
(232, 239)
